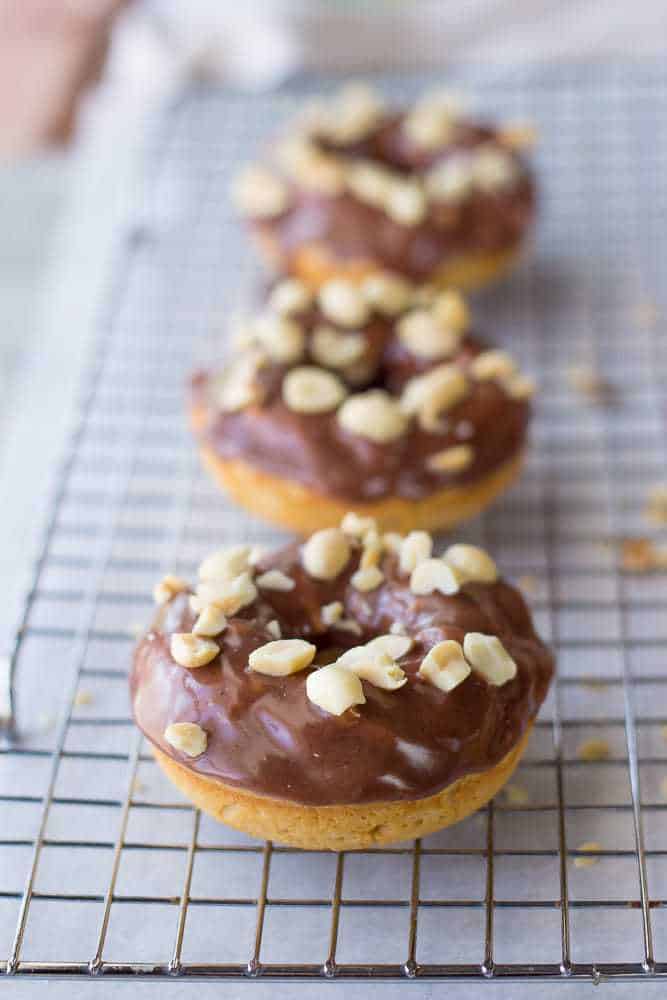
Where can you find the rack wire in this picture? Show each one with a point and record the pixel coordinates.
(93, 841)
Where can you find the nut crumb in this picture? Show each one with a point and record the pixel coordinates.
(593, 750)
(588, 382)
(656, 504)
(83, 697)
(588, 847)
(528, 584)
(642, 555)
(516, 795)
(646, 314)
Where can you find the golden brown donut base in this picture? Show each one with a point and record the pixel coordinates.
(291, 505)
(314, 264)
(341, 827)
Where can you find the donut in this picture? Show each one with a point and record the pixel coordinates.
(375, 396)
(355, 187)
(345, 692)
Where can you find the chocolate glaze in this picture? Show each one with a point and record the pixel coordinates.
(314, 450)
(266, 737)
(483, 222)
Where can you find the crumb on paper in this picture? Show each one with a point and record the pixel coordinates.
(646, 314)
(663, 732)
(516, 795)
(528, 584)
(642, 555)
(594, 685)
(595, 749)
(83, 697)
(589, 383)
(663, 788)
(588, 847)
(138, 787)
(656, 504)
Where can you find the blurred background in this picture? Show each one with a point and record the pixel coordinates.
(80, 80)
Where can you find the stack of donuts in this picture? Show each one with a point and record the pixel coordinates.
(355, 688)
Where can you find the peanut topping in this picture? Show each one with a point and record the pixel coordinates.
(392, 542)
(415, 548)
(472, 563)
(373, 665)
(187, 737)
(343, 303)
(487, 655)
(406, 203)
(451, 180)
(308, 389)
(393, 644)
(430, 395)
(357, 526)
(210, 622)
(424, 335)
(454, 459)
(331, 613)
(311, 167)
(518, 135)
(349, 116)
(275, 579)
(519, 387)
(273, 628)
(367, 579)
(334, 349)
(492, 364)
(429, 126)
(225, 564)
(368, 182)
(237, 387)
(387, 293)
(444, 665)
(290, 296)
(493, 169)
(374, 415)
(167, 588)
(325, 554)
(230, 595)
(334, 689)
(259, 194)
(451, 311)
(434, 574)
(282, 657)
(192, 651)
(282, 338)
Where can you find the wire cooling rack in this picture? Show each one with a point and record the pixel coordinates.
(104, 870)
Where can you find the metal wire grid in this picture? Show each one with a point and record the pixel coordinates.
(95, 843)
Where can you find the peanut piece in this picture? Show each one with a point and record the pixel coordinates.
(192, 651)
(444, 665)
(187, 737)
(334, 689)
(488, 657)
(282, 657)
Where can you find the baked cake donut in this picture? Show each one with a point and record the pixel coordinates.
(375, 396)
(356, 187)
(344, 693)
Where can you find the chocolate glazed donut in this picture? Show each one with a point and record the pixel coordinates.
(376, 395)
(348, 692)
(425, 193)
